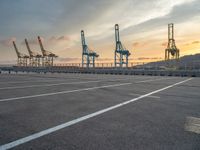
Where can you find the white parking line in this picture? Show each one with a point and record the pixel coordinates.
(71, 91)
(28, 81)
(45, 85)
(44, 80)
(55, 84)
(63, 92)
(75, 121)
(152, 80)
(134, 94)
(192, 125)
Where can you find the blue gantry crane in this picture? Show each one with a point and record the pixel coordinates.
(88, 55)
(121, 53)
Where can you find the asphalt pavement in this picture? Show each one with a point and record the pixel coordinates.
(99, 112)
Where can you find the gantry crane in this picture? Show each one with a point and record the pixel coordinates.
(88, 56)
(48, 57)
(34, 59)
(22, 59)
(121, 54)
(171, 47)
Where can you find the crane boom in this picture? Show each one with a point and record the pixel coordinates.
(117, 33)
(16, 50)
(34, 59)
(29, 50)
(84, 45)
(21, 58)
(83, 38)
(48, 57)
(119, 45)
(41, 46)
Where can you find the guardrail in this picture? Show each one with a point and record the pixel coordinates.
(107, 70)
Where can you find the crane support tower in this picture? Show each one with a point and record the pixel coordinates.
(121, 54)
(22, 59)
(35, 58)
(171, 52)
(48, 57)
(88, 56)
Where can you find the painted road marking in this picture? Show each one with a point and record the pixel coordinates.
(75, 121)
(192, 125)
(134, 94)
(64, 92)
(28, 81)
(55, 84)
(45, 85)
(152, 80)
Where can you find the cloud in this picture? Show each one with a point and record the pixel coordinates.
(54, 17)
(7, 42)
(51, 40)
(140, 44)
(192, 43)
(164, 44)
(135, 44)
(96, 16)
(178, 14)
(65, 18)
(55, 39)
(195, 42)
(77, 15)
(31, 41)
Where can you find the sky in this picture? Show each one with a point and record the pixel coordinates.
(143, 27)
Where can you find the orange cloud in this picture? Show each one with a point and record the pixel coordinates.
(54, 39)
(192, 43)
(51, 40)
(135, 44)
(190, 48)
(139, 44)
(195, 42)
(164, 44)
